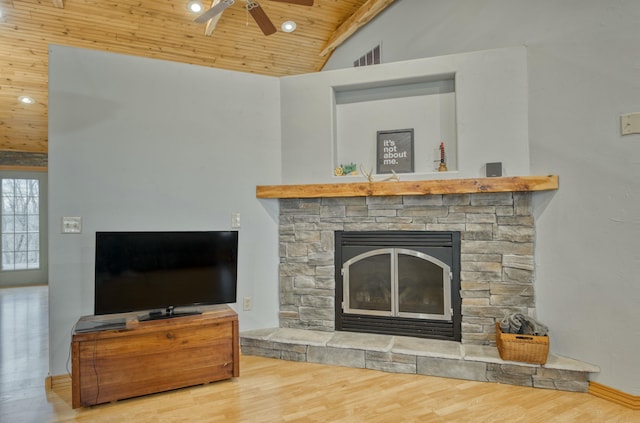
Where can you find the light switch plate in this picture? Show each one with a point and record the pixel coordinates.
(630, 123)
(235, 220)
(71, 225)
(247, 303)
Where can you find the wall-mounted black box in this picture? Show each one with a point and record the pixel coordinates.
(493, 169)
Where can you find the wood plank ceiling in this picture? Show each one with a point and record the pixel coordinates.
(160, 29)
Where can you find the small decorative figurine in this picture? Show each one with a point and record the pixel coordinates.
(344, 170)
(443, 163)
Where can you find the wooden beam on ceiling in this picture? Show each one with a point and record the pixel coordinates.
(360, 18)
(58, 3)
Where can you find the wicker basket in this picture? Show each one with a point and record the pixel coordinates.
(525, 348)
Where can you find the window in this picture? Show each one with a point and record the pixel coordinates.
(20, 211)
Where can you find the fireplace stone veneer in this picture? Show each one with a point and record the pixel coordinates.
(494, 218)
(496, 263)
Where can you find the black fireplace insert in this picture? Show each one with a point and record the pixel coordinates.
(399, 283)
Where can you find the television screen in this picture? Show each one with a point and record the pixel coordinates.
(136, 271)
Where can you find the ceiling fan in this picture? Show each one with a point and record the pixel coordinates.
(258, 15)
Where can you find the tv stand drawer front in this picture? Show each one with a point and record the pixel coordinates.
(144, 361)
(164, 340)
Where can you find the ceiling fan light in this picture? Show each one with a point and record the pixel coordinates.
(195, 6)
(288, 26)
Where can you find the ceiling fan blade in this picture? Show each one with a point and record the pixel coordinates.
(300, 2)
(261, 18)
(215, 10)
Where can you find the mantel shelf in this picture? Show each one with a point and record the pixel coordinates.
(431, 187)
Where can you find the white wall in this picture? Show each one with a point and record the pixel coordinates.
(584, 71)
(432, 118)
(491, 103)
(140, 144)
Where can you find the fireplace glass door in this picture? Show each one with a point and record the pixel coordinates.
(397, 282)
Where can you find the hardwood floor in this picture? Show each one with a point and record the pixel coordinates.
(271, 390)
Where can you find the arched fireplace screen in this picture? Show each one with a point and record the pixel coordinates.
(399, 283)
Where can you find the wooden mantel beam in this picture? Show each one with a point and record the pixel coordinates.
(431, 187)
(58, 3)
(363, 16)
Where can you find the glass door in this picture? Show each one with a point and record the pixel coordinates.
(23, 223)
(368, 283)
(397, 282)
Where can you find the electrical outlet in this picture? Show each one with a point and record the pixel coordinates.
(247, 303)
(71, 224)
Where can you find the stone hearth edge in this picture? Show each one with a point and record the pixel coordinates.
(400, 354)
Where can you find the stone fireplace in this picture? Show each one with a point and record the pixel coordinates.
(496, 261)
(493, 217)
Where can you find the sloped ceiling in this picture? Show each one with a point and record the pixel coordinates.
(161, 29)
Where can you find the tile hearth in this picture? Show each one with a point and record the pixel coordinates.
(400, 354)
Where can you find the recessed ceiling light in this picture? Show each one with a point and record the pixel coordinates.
(26, 99)
(288, 26)
(194, 6)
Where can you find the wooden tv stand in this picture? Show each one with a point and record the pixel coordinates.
(154, 356)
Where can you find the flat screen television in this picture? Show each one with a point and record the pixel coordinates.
(161, 271)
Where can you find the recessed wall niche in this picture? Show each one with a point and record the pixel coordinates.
(427, 105)
(489, 108)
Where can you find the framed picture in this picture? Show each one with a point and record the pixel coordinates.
(394, 151)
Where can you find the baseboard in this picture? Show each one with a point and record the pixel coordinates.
(59, 381)
(613, 395)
